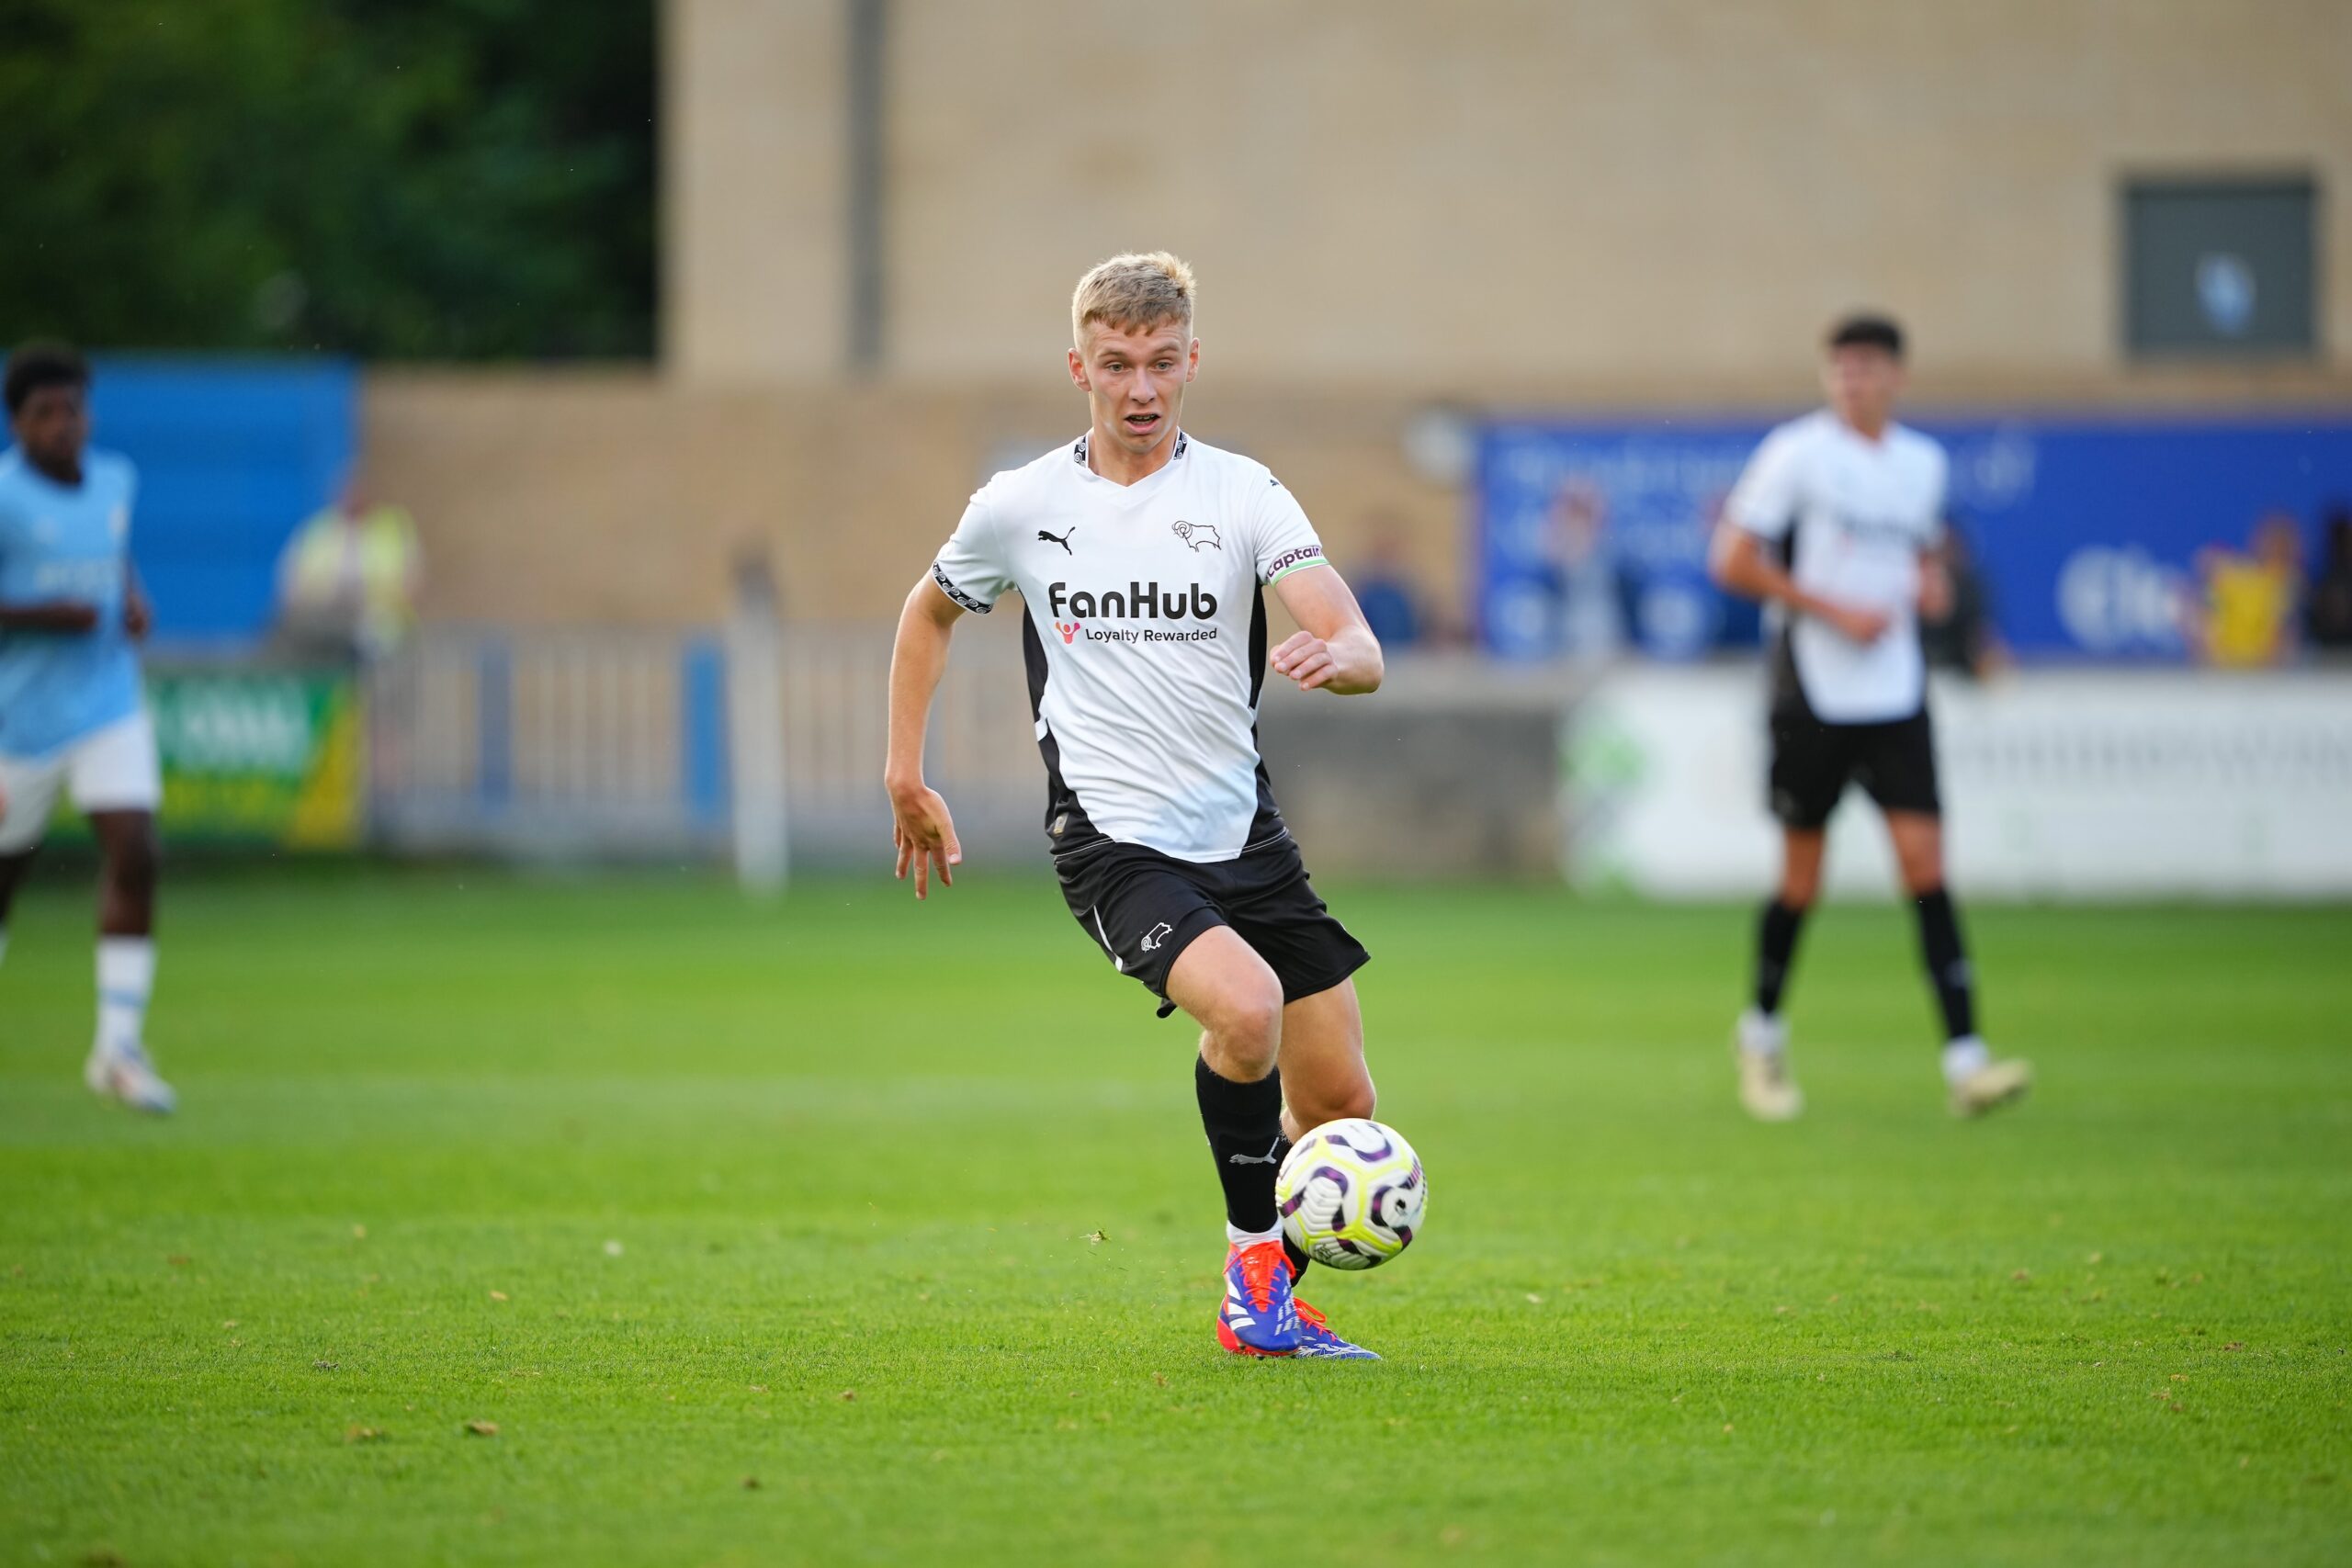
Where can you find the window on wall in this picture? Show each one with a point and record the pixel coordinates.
(2220, 267)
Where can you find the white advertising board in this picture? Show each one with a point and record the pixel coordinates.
(2055, 785)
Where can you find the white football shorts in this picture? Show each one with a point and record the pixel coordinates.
(113, 769)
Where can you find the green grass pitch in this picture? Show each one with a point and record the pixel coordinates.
(850, 1231)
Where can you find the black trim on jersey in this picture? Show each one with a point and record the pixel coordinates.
(939, 576)
(1780, 659)
(1267, 824)
(1032, 659)
(1786, 691)
(1067, 824)
(1257, 655)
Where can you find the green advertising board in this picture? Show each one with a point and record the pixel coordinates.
(259, 757)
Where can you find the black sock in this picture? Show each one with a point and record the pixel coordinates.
(1244, 1122)
(1946, 962)
(1776, 948)
(1298, 1255)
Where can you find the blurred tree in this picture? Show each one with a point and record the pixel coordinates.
(419, 179)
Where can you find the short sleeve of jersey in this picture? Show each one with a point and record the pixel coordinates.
(1764, 502)
(1286, 540)
(970, 568)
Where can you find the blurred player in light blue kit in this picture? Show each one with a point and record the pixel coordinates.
(73, 715)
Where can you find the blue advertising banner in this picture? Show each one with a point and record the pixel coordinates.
(1592, 537)
(232, 455)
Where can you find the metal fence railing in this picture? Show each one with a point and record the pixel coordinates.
(981, 752)
(642, 744)
(550, 742)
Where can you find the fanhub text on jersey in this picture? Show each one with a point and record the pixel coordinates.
(1140, 601)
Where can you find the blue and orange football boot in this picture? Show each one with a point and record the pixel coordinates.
(1316, 1339)
(1257, 1317)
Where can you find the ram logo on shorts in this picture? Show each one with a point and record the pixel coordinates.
(1152, 938)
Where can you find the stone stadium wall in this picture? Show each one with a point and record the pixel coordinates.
(1394, 206)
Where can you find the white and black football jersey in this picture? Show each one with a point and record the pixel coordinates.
(1146, 638)
(1850, 517)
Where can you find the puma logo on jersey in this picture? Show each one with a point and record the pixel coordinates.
(1199, 534)
(1061, 539)
(1151, 938)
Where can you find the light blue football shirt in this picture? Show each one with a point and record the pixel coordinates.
(65, 543)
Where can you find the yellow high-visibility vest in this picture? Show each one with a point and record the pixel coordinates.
(358, 571)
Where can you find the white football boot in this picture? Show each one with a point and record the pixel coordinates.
(1988, 1086)
(1767, 1089)
(123, 1072)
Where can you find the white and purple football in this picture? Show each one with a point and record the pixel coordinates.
(1351, 1194)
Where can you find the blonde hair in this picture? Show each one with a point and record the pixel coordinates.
(1141, 288)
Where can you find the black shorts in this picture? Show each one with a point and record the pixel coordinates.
(1143, 908)
(1813, 761)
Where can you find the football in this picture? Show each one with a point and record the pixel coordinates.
(1351, 1194)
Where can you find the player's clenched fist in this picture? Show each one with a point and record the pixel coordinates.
(1305, 659)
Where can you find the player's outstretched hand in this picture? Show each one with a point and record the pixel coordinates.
(1305, 659)
(924, 836)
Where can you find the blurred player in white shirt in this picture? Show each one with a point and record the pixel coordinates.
(1836, 527)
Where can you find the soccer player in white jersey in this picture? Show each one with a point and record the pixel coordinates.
(1837, 527)
(1141, 554)
(72, 711)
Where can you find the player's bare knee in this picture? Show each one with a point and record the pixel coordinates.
(1802, 851)
(1922, 870)
(1245, 1028)
(1254, 1028)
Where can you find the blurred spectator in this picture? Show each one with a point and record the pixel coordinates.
(2249, 619)
(1592, 622)
(1392, 604)
(2329, 617)
(348, 580)
(1966, 636)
